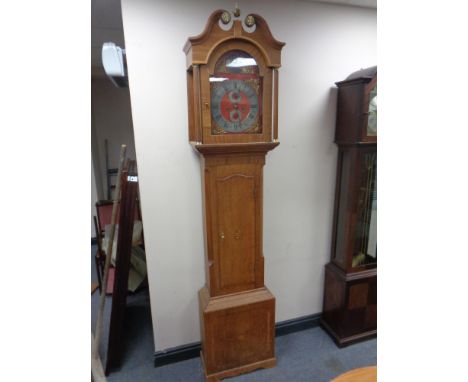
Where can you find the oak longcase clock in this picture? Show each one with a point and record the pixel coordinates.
(232, 86)
(350, 294)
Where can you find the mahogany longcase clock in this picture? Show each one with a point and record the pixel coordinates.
(350, 294)
(232, 85)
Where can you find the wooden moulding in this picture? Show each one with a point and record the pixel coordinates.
(238, 332)
(197, 51)
(234, 148)
(275, 105)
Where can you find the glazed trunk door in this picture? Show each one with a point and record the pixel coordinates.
(235, 250)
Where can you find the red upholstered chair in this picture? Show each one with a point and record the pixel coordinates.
(104, 214)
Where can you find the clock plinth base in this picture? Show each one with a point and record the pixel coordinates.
(342, 342)
(350, 305)
(238, 332)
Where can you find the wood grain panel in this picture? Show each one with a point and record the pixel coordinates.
(197, 107)
(238, 328)
(334, 292)
(233, 199)
(236, 230)
(357, 297)
(240, 334)
(190, 101)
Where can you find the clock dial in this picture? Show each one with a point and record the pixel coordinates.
(234, 106)
(372, 116)
(236, 95)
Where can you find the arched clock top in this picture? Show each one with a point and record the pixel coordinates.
(356, 121)
(198, 49)
(367, 73)
(360, 76)
(243, 46)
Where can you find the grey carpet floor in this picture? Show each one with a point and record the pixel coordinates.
(309, 355)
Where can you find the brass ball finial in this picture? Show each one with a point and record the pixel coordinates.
(236, 11)
(225, 17)
(249, 21)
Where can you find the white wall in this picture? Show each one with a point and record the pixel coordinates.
(325, 43)
(111, 120)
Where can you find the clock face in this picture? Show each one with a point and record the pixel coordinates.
(236, 95)
(234, 106)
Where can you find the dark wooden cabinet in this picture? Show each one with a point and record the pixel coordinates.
(350, 293)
